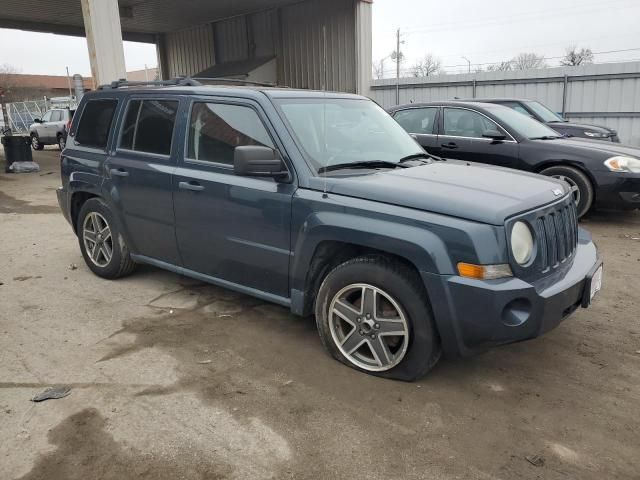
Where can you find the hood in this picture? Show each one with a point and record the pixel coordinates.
(477, 192)
(579, 127)
(592, 148)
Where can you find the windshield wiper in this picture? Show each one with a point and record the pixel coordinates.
(546, 137)
(417, 156)
(363, 164)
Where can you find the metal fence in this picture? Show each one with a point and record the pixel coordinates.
(604, 94)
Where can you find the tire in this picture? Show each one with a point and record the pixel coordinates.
(61, 142)
(577, 180)
(35, 142)
(94, 217)
(401, 295)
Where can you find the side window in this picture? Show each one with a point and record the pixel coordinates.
(517, 107)
(466, 123)
(148, 126)
(47, 116)
(216, 129)
(417, 120)
(95, 123)
(56, 116)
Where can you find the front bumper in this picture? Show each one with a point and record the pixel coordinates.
(617, 190)
(475, 315)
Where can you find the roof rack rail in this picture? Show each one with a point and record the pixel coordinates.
(178, 81)
(238, 81)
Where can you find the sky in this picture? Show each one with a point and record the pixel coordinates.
(484, 31)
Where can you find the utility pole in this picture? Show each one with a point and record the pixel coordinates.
(69, 83)
(469, 62)
(398, 56)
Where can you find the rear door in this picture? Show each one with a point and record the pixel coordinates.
(139, 175)
(233, 228)
(43, 128)
(421, 123)
(462, 138)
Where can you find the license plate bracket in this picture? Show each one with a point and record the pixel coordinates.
(592, 284)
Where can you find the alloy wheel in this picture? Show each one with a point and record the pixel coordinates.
(98, 242)
(369, 327)
(35, 143)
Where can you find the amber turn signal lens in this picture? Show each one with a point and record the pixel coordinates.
(484, 272)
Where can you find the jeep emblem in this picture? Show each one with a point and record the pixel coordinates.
(557, 192)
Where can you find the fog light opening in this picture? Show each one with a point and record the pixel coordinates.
(516, 312)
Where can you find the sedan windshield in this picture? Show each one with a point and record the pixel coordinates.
(544, 113)
(344, 131)
(522, 124)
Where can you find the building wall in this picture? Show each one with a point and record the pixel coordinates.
(606, 94)
(316, 44)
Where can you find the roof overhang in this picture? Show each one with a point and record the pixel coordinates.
(141, 20)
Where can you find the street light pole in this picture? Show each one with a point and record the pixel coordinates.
(469, 62)
(398, 68)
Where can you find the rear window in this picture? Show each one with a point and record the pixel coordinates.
(95, 123)
(148, 126)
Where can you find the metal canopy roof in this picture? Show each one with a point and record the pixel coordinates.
(140, 19)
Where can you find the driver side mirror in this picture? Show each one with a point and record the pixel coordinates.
(258, 161)
(494, 135)
(37, 120)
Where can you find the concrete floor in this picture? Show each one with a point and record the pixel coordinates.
(174, 379)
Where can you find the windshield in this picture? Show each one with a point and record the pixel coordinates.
(544, 113)
(521, 123)
(336, 131)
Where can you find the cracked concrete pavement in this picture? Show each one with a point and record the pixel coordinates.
(175, 379)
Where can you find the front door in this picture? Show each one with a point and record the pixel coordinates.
(139, 175)
(421, 123)
(462, 138)
(230, 227)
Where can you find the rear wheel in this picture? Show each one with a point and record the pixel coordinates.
(372, 315)
(35, 142)
(581, 186)
(103, 247)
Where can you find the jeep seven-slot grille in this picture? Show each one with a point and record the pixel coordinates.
(557, 234)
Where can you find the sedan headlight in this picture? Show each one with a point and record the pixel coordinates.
(521, 243)
(623, 164)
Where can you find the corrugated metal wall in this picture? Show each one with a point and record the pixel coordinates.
(315, 31)
(318, 44)
(189, 51)
(606, 94)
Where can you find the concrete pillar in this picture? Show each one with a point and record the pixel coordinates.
(364, 40)
(104, 40)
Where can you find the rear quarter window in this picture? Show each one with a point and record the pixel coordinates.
(95, 123)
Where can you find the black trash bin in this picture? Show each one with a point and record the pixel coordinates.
(17, 148)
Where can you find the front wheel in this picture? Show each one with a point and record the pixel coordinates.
(35, 142)
(372, 315)
(62, 142)
(580, 185)
(103, 247)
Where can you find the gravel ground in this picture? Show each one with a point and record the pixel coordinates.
(175, 379)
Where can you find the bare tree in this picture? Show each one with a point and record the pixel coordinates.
(500, 67)
(427, 66)
(526, 61)
(575, 57)
(378, 69)
(7, 78)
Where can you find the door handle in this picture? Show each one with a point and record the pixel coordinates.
(119, 172)
(193, 186)
(450, 145)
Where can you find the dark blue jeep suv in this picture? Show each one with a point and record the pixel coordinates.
(322, 203)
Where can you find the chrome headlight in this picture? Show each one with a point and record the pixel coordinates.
(623, 164)
(521, 243)
(596, 134)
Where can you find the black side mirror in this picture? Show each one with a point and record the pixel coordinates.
(37, 120)
(256, 161)
(494, 135)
